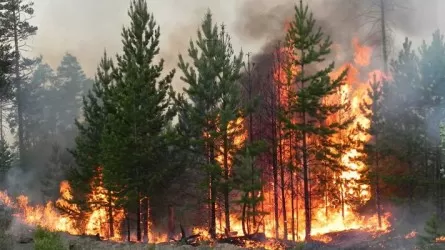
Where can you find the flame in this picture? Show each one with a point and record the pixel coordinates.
(329, 214)
(410, 235)
(94, 222)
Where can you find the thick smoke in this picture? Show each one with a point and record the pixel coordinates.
(342, 20)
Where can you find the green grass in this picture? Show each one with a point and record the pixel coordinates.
(47, 240)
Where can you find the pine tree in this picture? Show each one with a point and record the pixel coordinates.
(6, 63)
(248, 181)
(432, 90)
(19, 30)
(433, 230)
(134, 141)
(309, 45)
(56, 167)
(88, 150)
(6, 161)
(70, 84)
(404, 125)
(374, 149)
(36, 94)
(213, 109)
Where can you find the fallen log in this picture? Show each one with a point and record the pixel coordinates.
(241, 240)
(187, 240)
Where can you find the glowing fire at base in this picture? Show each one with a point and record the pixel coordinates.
(328, 215)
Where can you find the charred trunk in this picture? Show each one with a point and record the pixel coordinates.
(212, 229)
(110, 214)
(138, 218)
(18, 88)
(275, 166)
(145, 217)
(128, 227)
(171, 222)
(226, 183)
(283, 187)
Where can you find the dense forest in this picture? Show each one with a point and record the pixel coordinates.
(292, 142)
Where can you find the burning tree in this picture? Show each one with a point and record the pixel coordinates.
(312, 128)
(213, 114)
(123, 140)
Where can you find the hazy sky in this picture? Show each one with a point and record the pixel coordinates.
(86, 27)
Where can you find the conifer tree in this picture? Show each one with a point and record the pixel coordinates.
(247, 179)
(214, 107)
(19, 30)
(431, 107)
(70, 85)
(404, 126)
(433, 230)
(6, 161)
(309, 46)
(87, 149)
(6, 63)
(134, 141)
(374, 149)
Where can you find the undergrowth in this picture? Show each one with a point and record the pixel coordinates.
(47, 240)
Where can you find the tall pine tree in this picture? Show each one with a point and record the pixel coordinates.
(19, 30)
(134, 141)
(213, 108)
(88, 148)
(309, 46)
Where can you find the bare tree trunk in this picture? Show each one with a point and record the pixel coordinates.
(275, 166)
(384, 37)
(171, 222)
(212, 230)
(283, 187)
(110, 215)
(19, 88)
(145, 217)
(226, 184)
(138, 217)
(128, 227)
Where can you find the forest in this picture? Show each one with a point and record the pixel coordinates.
(291, 143)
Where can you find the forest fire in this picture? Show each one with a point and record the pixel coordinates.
(335, 195)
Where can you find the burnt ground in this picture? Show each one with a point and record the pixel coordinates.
(348, 240)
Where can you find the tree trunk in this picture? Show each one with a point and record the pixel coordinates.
(110, 215)
(283, 187)
(384, 38)
(275, 166)
(377, 185)
(307, 208)
(19, 89)
(292, 197)
(171, 222)
(212, 229)
(128, 228)
(138, 218)
(1, 122)
(145, 217)
(226, 184)
(251, 136)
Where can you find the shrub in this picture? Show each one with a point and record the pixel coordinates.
(47, 240)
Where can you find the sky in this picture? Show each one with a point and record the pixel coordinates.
(85, 28)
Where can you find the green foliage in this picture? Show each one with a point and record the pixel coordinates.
(247, 180)
(134, 138)
(6, 161)
(87, 149)
(47, 240)
(306, 118)
(69, 86)
(433, 230)
(211, 107)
